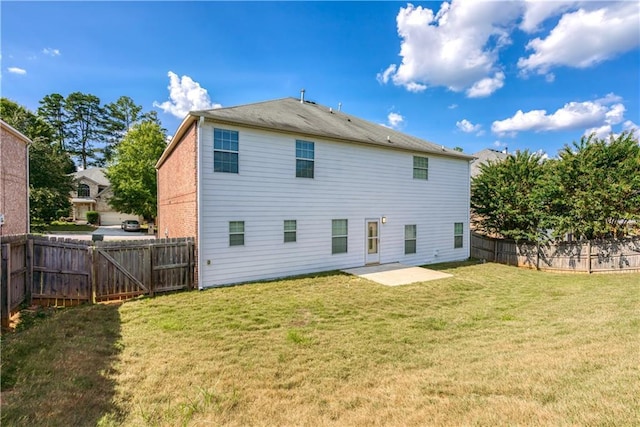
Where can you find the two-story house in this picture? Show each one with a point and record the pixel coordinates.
(289, 187)
(92, 193)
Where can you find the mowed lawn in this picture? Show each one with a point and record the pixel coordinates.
(494, 345)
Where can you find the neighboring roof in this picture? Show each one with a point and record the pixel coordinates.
(94, 174)
(485, 156)
(312, 120)
(15, 132)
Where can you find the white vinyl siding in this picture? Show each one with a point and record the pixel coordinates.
(355, 182)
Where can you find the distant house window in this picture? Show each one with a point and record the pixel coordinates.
(304, 159)
(83, 190)
(290, 228)
(236, 233)
(458, 235)
(225, 150)
(420, 167)
(410, 234)
(339, 229)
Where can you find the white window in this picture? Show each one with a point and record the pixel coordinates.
(339, 231)
(225, 150)
(420, 168)
(410, 235)
(305, 159)
(458, 235)
(236, 233)
(290, 230)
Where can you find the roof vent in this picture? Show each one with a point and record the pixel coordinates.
(388, 139)
(302, 96)
(331, 110)
(339, 106)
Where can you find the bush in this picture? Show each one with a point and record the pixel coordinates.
(93, 217)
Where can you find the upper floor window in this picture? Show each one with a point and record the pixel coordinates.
(420, 167)
(83, 190)
(458, 235)
(225, 150)
(304, 159)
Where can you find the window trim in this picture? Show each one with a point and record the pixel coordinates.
(301, 158)
(414, 239)
(290, 232)
(458, 237)
(233, 233)
(419, 168)
(86, 187)
(223, 150)
(339, 236)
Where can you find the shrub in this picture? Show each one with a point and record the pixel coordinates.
(93, 217)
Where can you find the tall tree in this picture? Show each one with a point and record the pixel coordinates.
(86, 128)
(501, 196)
(593, 190)
(49, 182)
(120, 117)
(133, 174)
(52, 110)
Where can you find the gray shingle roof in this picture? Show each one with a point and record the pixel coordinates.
(94, 174)
(484, 156)
(311, 119)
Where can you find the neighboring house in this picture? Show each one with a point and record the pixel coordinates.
(484, 156)
(92, 193)
(14, 180)
(288, 187)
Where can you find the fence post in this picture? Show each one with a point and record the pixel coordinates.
(5, 279)
(29, 254)
(537, 255)
(589, 256)
(92, 273)
(495, 249)
(148, 265)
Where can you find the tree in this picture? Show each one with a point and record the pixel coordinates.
(593, 190)
(501, 196)
(49, 182)
(85, 128)
(120, 117)
(133, 174)
(52, 110)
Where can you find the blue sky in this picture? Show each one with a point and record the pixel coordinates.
(475, 74)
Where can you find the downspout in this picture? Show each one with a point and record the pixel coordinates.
(199, 200)
(28, 190)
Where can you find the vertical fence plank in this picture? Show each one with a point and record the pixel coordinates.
(6, 285)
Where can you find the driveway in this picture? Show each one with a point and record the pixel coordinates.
(108, 232)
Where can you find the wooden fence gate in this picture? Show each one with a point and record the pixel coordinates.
(61, 272)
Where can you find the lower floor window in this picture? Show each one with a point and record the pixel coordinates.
(236, 233)
(458, 235)
(290, 228)
(410, 234)
(339, 231)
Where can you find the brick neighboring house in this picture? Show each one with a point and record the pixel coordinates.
(92, 193)
(14, 180)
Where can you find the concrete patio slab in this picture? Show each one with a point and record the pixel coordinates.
(396, 274)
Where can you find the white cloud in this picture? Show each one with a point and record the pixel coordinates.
(573, 115)
(395, 120)
(536, 12)
(452, 106)
(457, 47)
(185, 95)
(630, 126)
(16, 70)
(585, 37)
(51, 52)
(485, 87)
(467, 127)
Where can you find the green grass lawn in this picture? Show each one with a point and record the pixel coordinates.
(494, 345)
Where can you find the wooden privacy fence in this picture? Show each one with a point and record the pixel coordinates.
(50, 271)
(591, 256)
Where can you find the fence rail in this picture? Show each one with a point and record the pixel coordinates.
(61, 272)
(592, 256)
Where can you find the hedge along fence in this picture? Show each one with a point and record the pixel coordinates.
(590, 256)
(61, 272)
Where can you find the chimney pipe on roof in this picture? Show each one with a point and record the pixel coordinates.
(302, 96)
(339, 106)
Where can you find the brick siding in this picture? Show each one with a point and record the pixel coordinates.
(13, 183)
